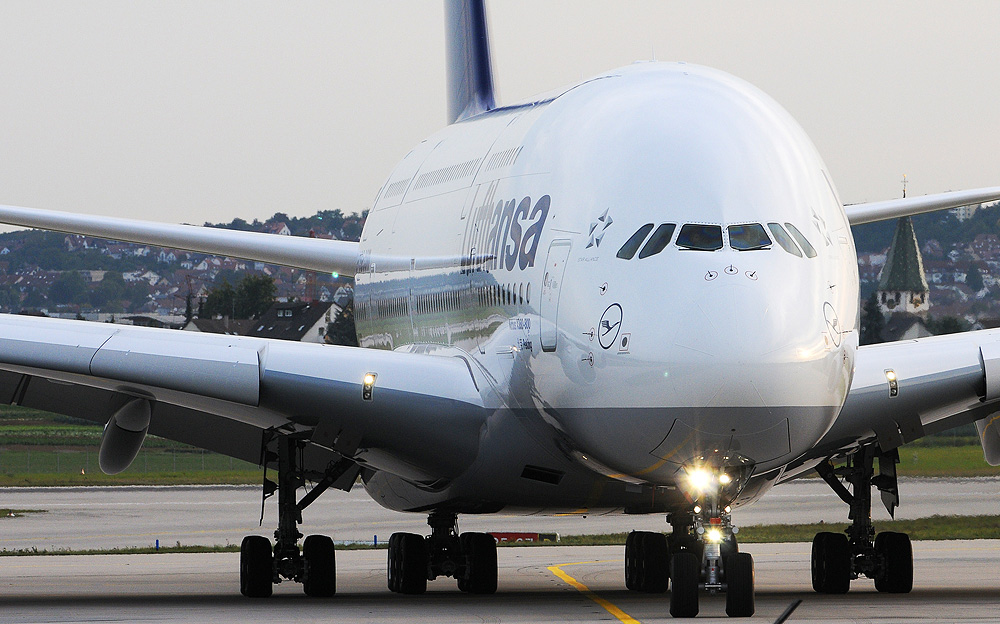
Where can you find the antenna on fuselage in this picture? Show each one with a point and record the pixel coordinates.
(470, 72)
(904, 186)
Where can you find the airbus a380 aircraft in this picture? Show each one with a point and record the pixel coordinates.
(638, 294)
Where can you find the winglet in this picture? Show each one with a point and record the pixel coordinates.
(470, 72)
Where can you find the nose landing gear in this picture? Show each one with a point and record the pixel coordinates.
(700, 554)
(887, 557)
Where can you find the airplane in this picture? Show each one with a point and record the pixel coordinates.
(637, 294)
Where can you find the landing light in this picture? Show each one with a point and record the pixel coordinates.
(714, 536)
(890, 376)
(725, 479)
(699, 479)
(368, 385)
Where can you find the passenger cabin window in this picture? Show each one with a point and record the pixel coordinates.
(658, 240)
(801, 240)
(784, 239)
(632, 244)
(748, 237)
(700, 237)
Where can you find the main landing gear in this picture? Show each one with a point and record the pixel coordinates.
(315, 566)
(470, 558)
(839, 558)
(700, 554)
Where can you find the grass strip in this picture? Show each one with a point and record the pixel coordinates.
(195, 477)
(933, 528)
(6, 512)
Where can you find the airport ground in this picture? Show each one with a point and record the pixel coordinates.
(116, 517)
(955, 581)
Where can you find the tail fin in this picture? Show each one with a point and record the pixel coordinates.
(470, 73)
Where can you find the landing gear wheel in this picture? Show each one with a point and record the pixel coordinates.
(631, 561)
(685, 572)
(481, 554)
(896, 553)
(320, 578)
(407, 569)
(256, 567)
(831, 563)
(654, 563)
(740, 585)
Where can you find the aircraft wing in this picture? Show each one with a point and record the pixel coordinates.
(316, 254)
(422, 420)
(907, 206)
(941, 382)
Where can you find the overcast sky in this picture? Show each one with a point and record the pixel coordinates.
(187, 111)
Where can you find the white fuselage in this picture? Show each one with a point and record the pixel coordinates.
(500, 237)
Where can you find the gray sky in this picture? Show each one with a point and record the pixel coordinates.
(188, 111)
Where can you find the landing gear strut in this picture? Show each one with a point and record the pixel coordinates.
(839, 558)
(315, 566)
(700, 554)
(470, 558)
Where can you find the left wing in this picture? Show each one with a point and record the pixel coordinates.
(907, 206)
(940, 382)
(420, 421)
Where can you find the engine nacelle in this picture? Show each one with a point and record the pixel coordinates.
(123, 435)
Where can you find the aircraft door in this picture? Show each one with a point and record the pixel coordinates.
(548, 305)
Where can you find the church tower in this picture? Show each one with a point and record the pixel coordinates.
(902, 286)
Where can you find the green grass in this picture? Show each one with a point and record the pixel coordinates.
(934, 528)
(944, 461)
(219, 477)
(6, 512)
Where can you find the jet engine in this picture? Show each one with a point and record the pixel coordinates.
(123, 435)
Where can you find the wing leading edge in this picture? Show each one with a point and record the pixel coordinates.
(942, 382)
(217, 392)
(858, 214)
(316, 254)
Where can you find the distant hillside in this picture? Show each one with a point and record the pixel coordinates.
(943, 227)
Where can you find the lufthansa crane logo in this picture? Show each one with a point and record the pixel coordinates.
(611, 324)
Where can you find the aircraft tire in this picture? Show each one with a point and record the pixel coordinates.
(631, 561)
(685, 572)
(740, 585)
(320, 578)
(411, 563)
(831, 563)
(481, 553)
(256, 560)
(654, 558)
(896, 575)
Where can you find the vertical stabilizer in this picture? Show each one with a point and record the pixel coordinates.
(470, 73)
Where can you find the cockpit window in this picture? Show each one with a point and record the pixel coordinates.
(748, 237)
(658, 240)
(700, 237)
(801, 240)
(784, 239)
(632, 244)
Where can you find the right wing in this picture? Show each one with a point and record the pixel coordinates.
(223, 393)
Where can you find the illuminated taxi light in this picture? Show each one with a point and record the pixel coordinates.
(728, 509)
(697, 509)
(890, 376)
(714, 536)
(699, 479)
(368, 386)
(725, 479)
